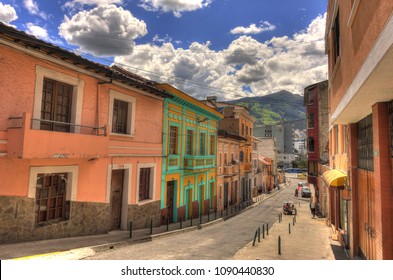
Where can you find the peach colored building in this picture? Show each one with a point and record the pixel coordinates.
(359, 44)
(80, 143)
(228, 169)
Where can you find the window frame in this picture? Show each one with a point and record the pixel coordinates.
(130, 115)
(173, 148)
(152, 182)
(77, 96)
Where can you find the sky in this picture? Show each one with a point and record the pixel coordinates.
(227, 48)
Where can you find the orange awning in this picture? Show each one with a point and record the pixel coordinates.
(334, 177)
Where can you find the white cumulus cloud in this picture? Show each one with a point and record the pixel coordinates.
(254, 29)
(282, 63)
(106, 30)
(76, 5)
(175, 6)
(33, 9)
(7, 13)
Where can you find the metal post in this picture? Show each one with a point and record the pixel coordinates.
(259, 234)
(130, 229)
(255, 238)
(200, 218)
(293, 222)
(221, 213)
(289, 228)
(191, 219)
(181, 224)
(267, 228)
(263, 231)
(167, 223)
(279, 245)
(151, 226)
(215, 214)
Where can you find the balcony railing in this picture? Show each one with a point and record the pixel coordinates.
(199, 162)
(27, 140)
(71, 127)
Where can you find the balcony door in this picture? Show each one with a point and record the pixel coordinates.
(56, 106)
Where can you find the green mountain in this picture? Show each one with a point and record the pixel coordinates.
(279, 107)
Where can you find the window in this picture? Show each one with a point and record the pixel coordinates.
(189, 141)
(173, 140)
(310, 142)
(312, 168)
(242, 129)
(365, 143)
(56, 106)
(241, 156)
(212, 145)
(250, 131)
(119, 119)
(57, 98)
(145, 183)
(310, 96)
(336, 38)
(310, 120)
(122, 114)
(51, 197)
(202, 144)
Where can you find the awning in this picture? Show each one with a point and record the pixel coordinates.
(264, 160)
(334, 177)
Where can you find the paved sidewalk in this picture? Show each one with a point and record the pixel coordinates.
(309, 239)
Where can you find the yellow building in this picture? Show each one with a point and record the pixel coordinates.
(190, 130)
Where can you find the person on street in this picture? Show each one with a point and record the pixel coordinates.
(312, 207)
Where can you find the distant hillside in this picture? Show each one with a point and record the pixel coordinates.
(275, 108)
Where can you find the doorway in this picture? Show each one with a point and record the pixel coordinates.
(116, 198)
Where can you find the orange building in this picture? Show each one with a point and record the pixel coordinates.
(228, 169)
(359, 44)
(80, 143)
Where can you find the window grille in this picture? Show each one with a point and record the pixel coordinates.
(365, 143)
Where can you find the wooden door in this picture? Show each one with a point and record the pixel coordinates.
(116, 198)
(170, 199)
(367, 229)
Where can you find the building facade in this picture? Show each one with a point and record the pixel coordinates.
(359, 44)
(228, 169)
(237, 120)
(189, 181)
(317, 124)
(80, 143)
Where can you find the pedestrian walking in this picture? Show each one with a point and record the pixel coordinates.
(312, 207)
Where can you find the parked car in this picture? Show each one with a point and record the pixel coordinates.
(305, 191)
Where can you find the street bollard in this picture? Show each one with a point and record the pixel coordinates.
(191, 220)
(267, 229)
(263, 231)
(151, 226)
(255, 238)
(227, 211)
(289, 228)
(130, 229)
(167, 224)
(293, 222)
(279, 245)
(259, 234)
(181, 224)
(221, 213)
(215, 214)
